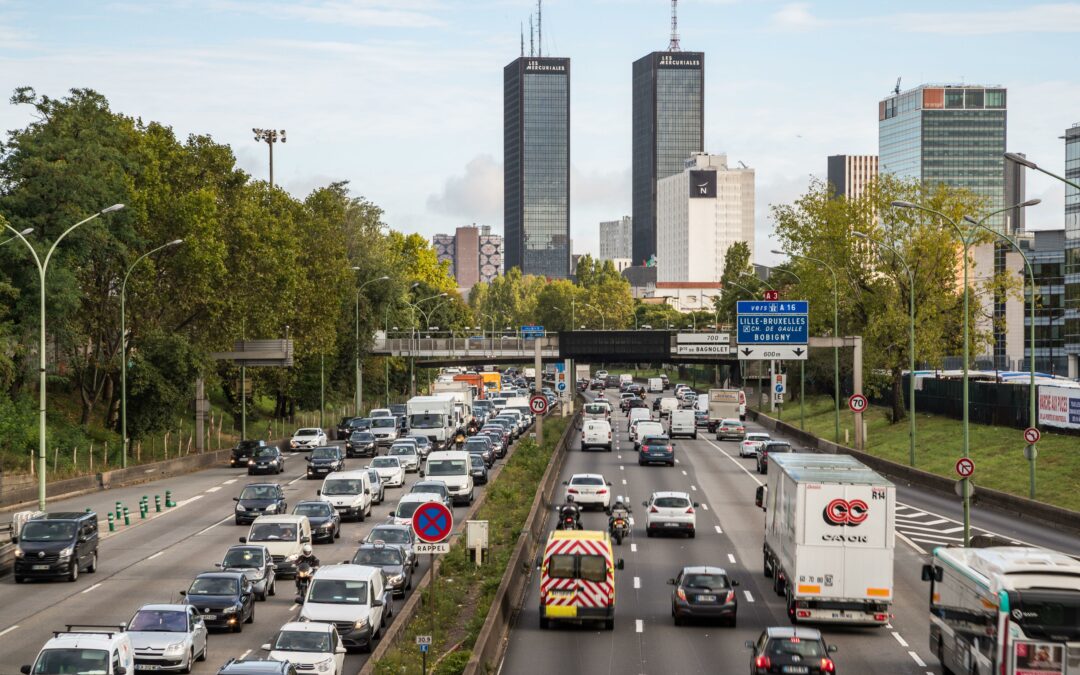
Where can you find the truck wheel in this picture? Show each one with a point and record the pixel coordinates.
(609, 624)
(544, 622)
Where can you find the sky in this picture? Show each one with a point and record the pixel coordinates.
(403, 98)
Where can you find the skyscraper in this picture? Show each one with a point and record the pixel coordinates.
(668, 127)
(851, 174)
(536, 165)
(1072, 250)
(617, 239)
(474, 254)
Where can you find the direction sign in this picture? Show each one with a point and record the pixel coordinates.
(698, 349)
(857, 403)
(530, 332)
(772, 295)
(432, 522)
(538, 404)
(773, 323)
(1032, 435)
(965, 467)
(703, 338)
(769, 352)
(440, 548)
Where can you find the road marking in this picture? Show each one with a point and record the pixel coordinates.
(245, 655)
(677, 461)
(187, 501)
(618, 457)
(230, 481)
(915, 657)
(633, 548)
(155, 555)
(300, 477)
(749, 598)
(624, 481)
(902, 641)
(684, 472)
(622, 468)
(639, 625)
(705, 506)
(918, 549)
(214, 489)
(718, 530)
(207, 529)
(694, 488)
(8, 630)
(91, 588)
(294, 607)
(943, 530)
(731, 558)
(735, 462)
(915, 519)
(631, 521)
(637, 584)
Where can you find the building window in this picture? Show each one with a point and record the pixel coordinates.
(954, 98)
(995, 98)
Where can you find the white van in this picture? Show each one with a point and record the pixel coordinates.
(452, 467)
(407, 505)
(284, 536)
(597, 411)
(667, 405)
(637, 414)
(656, 385)
(626, 378)
(104, 650)
(645, 429)
(349, 492)
(352, 597)
(682, 423)
(596, 434)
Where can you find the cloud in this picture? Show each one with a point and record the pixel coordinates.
(362, 13)
(1045, 18)
(796, 16)
(476, 195)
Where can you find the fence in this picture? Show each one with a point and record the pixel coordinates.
(990, 402)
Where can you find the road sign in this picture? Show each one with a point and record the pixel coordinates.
(762, 322)
(962, 485)
(703, 338)
(432, 522)
(965, 467)
(772, 296)
(530, 332)
(560, 386)
(1032, 435)
(857, 403)
(770, 352)
(441, 548)
(779, 383)
(538, 404)
(777, 397)
(700, 349)
(423, 639)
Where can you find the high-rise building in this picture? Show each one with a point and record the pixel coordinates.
(701, 212)
(1016, 193)
(1072, 250)
(668, 127)
(536, 165)
(1046, 251)
(616, 238)
(850, 175)
(474, 254)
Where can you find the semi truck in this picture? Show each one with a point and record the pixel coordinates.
(433, 416)
(829, 529)
(725, 404)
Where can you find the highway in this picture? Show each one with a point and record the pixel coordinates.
(151, 561)
(730, 533)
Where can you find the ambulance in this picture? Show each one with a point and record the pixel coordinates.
(577, 578)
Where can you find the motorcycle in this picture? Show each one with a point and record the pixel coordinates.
(303, 579)
(620, 529)
(459, 440)
(568, 521)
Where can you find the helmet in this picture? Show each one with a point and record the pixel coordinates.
(619, 499)
(569, 498)
(306, 549)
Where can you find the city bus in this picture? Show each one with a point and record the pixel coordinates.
(1004, 610)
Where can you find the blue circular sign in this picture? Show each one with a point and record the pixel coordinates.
(561, 386)
(432, 522)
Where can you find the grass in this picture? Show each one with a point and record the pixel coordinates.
(464, 592)
(998, 451)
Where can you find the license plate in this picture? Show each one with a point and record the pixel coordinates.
(671, 524)
(147, 666)
(706, 598)
(209, 617)
(796, 669)
(40, 567)
(321, 470)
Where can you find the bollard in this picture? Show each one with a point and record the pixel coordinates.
(112, 522)
(169, 503)
(119, 510)
(127, 518)
(88, 509)
(142, 510)
(157, 503)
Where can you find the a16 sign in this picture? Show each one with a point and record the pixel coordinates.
(772, 296)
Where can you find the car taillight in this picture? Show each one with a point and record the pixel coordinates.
(803, 614)
(762, 662)
(668, 449)
(644, 448)
(690, 510)
(572, 491)
(653, 509)
(881, 617)
(601, 491)
(730, 597)
(827, 666)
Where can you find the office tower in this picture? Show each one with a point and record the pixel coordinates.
(851, 174)
(668, 127)
(1046, 251)
(1016, 193)
(1072, 250)
(536, 165)
(701, 212)
(616, 239)
(473, 252)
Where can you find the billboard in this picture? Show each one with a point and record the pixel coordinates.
(1059, 407)
(702, 185)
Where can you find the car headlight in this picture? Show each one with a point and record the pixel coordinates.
(292, 444)
(397, 579)
(229, 610)
(326, 666)
(361, 623)
(66, 553)
(271, 508)
(240, 507)
(292, 558)
(19, 552)
(251, 462)
(327, 526)
(175, 648)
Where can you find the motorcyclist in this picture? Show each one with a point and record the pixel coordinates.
(307, 555)
(570, 510)
(621, 509)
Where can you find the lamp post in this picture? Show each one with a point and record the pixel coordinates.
(911, 339)
(270, 136)
(43, 267)
(123, 348)
(415, 306)
(603, 320)
(24, 233)
(359, 402)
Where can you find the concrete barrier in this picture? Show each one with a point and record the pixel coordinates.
(1016, 506)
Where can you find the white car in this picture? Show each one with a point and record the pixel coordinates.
(390, 470)
(643, 429)
(407, 505)
(163, 635)
(407, 453)
(589, 489)
(380, 412)
(352, 597)
(307, 439)
(312, 647)
(750, 444)
(596, 434)
(670, 512)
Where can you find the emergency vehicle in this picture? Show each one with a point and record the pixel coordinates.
(577, 578)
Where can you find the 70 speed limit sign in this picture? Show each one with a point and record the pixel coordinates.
(857, 403)
(538, 404)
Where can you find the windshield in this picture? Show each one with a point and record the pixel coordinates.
(447, 467)
(672, 502)
(213, 586)
(402, 450)
(383, 422)
(302, 641)
(793, 645)
(377, 556)
(757, 437)
(272, 532)
(426, 421)
(307, 432)
(259, 492)
(778, 447)
(343, 486)
(243, 558)
(159, 621)
(313, 509)
(248, 445)
(477, 461)
(706, 581)
(338, 592)
(476, 445)
(1050, 614)
(81, 661)
(430, 486)
(656, 440)
(45, 530)
(324, 453)
(730, 423)
(362, 437)
(266, 451)
(407, 509)
(389, 535)
(386, 463)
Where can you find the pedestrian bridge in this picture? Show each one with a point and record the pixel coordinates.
(439, 351)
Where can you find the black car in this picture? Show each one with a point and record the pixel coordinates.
(635, 403)
(362, 444)
(658, 449)
(481, 445)
(244, 451)
(787, 649)
(254, 666)
(223, 599)
(478, 469)
(258, 499)
(498, 441)
(596, 385)
(324, 518)
(703, 592)
(767, 448)
(398, 409)
(267, 459)
(57, 545)
(348, 425)
(391, 560)
(325, 459)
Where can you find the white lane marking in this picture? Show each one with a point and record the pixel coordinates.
(214, 489)
(677, 461)
(902, 641)
(705, 506)
(731, 558)
(207, 529)
(156, 555)
(749, 598)
(718, 530)
(245, 655)
(187, 501)
(624, 481)
(631, 521)
(915, 520)
(639, 625)
(633, 548)
(694, 488)
(915, 657)
(294, 607)
(684, 472)
(8, 630)
(735, 462)
(230, 481)
(637, 583)
(91, 588)
(300, 477)
(618, 456)
(622, 468)
(943, 530)
(918, 549)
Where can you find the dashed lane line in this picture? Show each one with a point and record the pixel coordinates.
(633, 548)
(749, 597)
(230, 481)
(684, 472)
(624, 481)
(207, 529)
(214, 489)
(637, 583)
(901, 640)
(639, 626)
(915, 657)
(295, 607)
(694, 488)
(8, 630)
(718, 530)
(735, 462)
(87, 590)
(731, 558)
(705, 506)
(245, 655)
(156, 555)
(297, 479)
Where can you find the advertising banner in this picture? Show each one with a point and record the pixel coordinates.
(1038, 658)
(1059, 407)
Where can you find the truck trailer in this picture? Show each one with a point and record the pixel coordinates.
(725, 404)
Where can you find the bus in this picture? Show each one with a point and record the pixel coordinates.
(1004, 610)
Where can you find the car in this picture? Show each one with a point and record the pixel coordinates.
(480, 445)
(348, 425)
(750, 444)
(643, 429)
(385, 429)
(398, 409)
(308, 438)
(324, 460)
(589, 489)
(730, 429)
(361, 444)
(313, 646)
(498, 441)
(682, 423)
(596, 385)
(701, 418)
(596, 433)
(266, 459)
(57, 545)
(401, 536)
(222, 599)
(437, 486)
(408, 504)
(324, 518)
(790, 649)
(349, 492)
(767, 448)
(257, 564)
(284, 536)
(390, 471)
(478, 468)
(104, 650)
(704, 592)
(668, 404)
(378, 488)
(423, 445)
(352, 597)
(167, 637)
(258, 499)
(656, 450)
(391, 560)
(243, 451)
(380, 412)
(670, 512)
(452, 467)
(636, 403)
(256, 666)
(624, 400)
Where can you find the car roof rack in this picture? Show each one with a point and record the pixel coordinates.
(94, 628)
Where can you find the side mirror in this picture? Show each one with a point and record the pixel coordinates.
(121, 670)
(266, 647)
(217, 564)
(236, 499)
(931, 573)
(696, 505)
(340, 650)
(759, 497)
(749, 644)
(671, 582)
(243, 540)
(609, 483)
(734, 583)
(305, 540)
(299, 599)
(644, 503)
(620, 564)
(318, 493)
(833, 649)
(15, 540)
(25, 670)
(421, 473)
(377, 603)
(184, 593)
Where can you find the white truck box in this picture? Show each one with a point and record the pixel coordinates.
(582, 372)
(829, 538)
(656, 385)
(724, 404)
(433, 416)
(463, 400)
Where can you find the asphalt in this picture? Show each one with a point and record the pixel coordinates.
(151, 560)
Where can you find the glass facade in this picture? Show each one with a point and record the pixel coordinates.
(1048, 267)
(668, 127)
(536, 158)
(1072, 242)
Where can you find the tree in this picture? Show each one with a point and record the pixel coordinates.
(736, 263)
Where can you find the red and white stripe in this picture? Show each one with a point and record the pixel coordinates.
(583, 593)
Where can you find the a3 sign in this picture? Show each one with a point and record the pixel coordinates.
(857, 403)
(772, 295)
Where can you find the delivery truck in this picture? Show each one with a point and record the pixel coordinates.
(462, 394)
(829, 527)
(725, 404)
(433, 417)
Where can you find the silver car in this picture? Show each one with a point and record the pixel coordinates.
(167, 637)
(378, 489)
(257, 565)
(396, 535)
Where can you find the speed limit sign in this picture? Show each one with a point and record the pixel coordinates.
(538, 404)
(857, 403)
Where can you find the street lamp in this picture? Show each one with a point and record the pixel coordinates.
(123, 348)
(27, 232)
(270, 136)
(415, 306)
(359, 402)
(603, 320)
(911, 338)
(43, 267)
